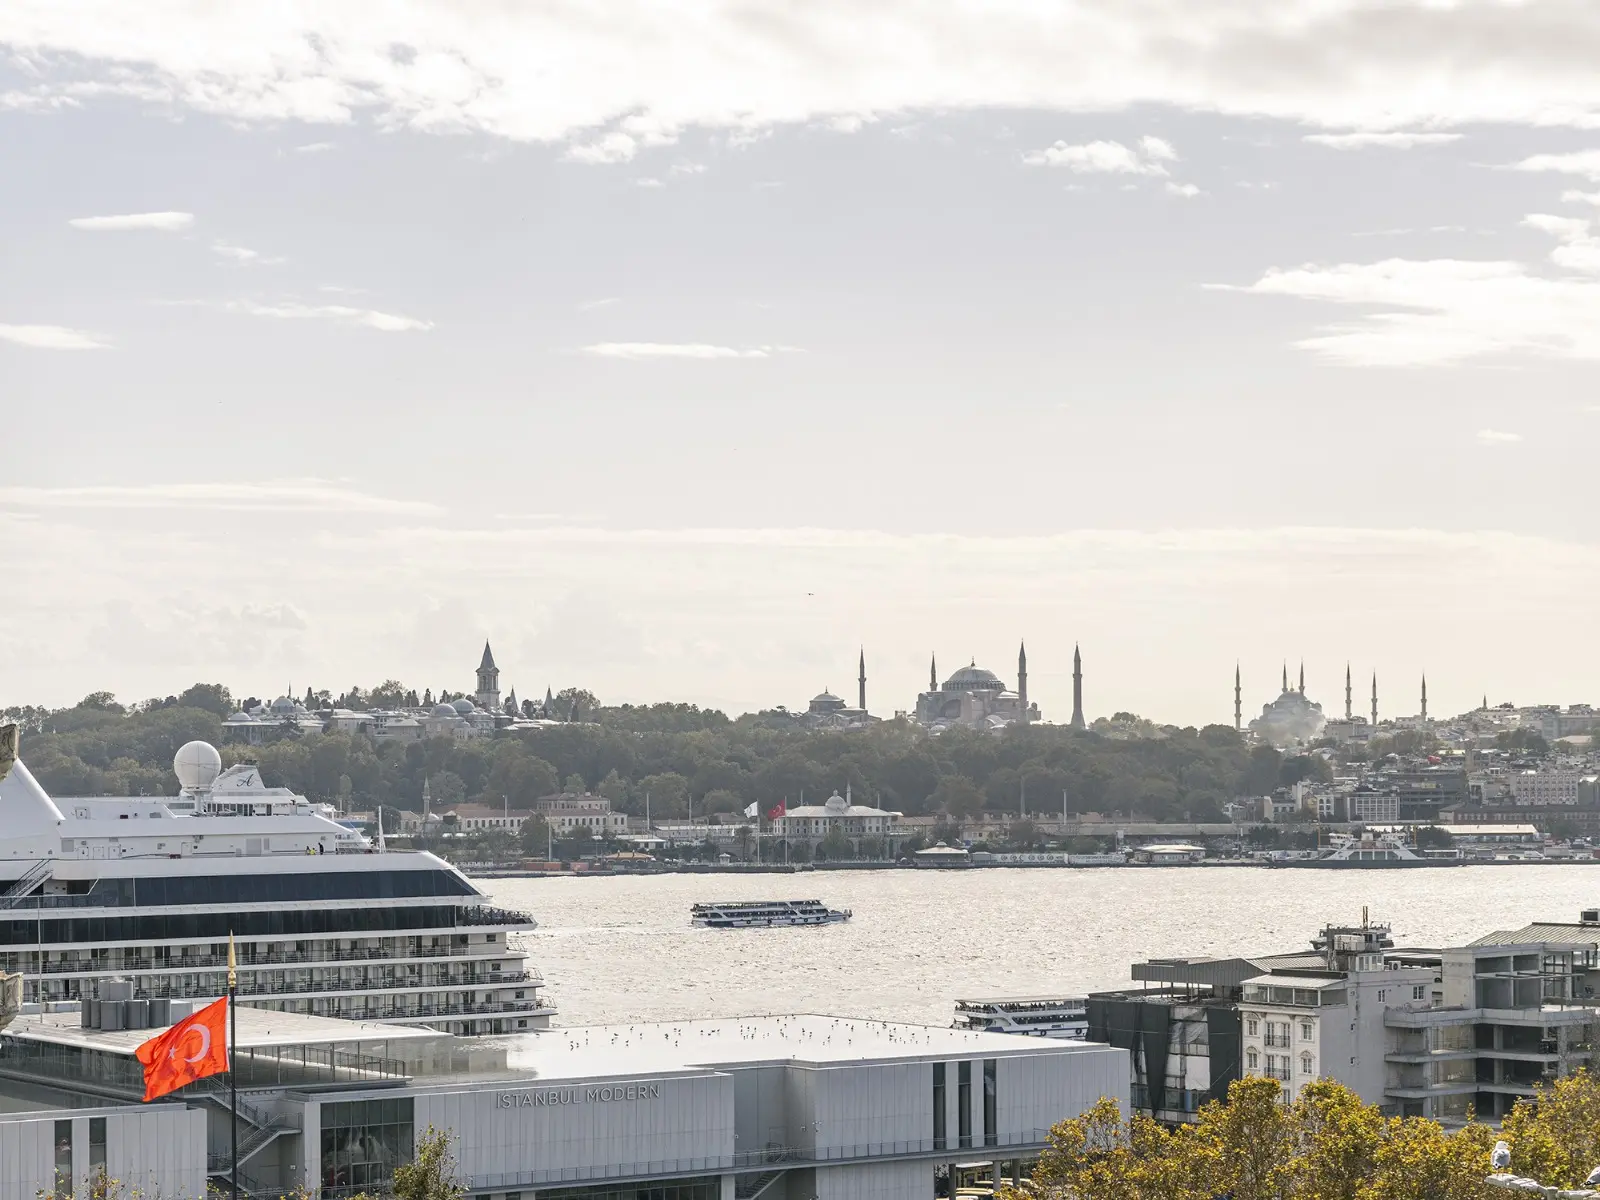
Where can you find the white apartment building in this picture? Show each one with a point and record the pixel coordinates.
(1545, 786)
(1369, 806)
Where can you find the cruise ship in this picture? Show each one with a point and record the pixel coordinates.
(326, 922)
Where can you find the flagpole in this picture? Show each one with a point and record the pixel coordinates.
(233, 1071)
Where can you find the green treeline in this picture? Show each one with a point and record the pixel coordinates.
(678, 754)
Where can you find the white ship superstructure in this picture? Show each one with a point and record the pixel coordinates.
(326, 923)
(1037, 1016)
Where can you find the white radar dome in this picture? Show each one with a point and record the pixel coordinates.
(197, 765)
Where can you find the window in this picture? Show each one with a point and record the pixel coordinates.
(64, 1186)
(1382, 995)
(363, 1141)
(940, 1132)
(1419, 991)
(964, 1103)
(1305, 1031)
(991, 1123)
(1252, 1058)
(97, 1146)
(1305, 1064)
(1252, 1026)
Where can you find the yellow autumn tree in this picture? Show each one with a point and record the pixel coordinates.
(1556, 1137)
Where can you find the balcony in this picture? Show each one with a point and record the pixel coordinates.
(1276, 1041)
(105, 963)
(190, 988)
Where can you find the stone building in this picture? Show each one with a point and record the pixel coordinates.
(976, 697)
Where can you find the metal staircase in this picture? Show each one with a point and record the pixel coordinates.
(27, 885)
(749, 1187)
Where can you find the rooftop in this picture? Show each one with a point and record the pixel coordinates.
(600, 1051)
(259, 1029)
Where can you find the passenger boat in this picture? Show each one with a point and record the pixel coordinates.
(760, 914)
(1037, 1016)
(1370, 854)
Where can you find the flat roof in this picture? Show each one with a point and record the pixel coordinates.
(258, 1029)
(1299, 981)
(678, 1047)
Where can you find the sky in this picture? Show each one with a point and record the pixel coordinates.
(685, 350)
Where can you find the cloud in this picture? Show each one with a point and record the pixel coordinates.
(314, 148)
(50, 337)
(1581, 162)
(1186, 190)
(1496, 437)
(556, 73)
(1445, 311)
(288, 495)
(1392, 140)
(696, 350)
(243, 255)
(1106, 158)
(341, 313)
(167, 222)
(602, 302)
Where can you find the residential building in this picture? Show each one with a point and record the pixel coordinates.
(1546, 785)
(479, 818)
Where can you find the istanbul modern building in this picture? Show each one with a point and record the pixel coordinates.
(759, 1108)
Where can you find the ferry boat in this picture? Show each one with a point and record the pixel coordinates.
(758, 914)
(1036, 1016)
(146, 889)
(1369, 854)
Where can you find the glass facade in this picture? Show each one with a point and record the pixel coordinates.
(363, 1141)
(706, 1187)
(283, 923)
(97, 1146)
(941, 1133)
(964, 1102)
(63, 1135)
(991, 1131)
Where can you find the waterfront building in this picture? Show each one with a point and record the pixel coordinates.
(862, 824)
(1546, 785)
(824, 1107)
(480, 818)
(581, 812)
(1418, 1032)
(976, 697)
(151, 888)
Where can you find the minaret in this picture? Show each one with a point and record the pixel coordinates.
(1302, 677)
(1424, 696)
(1286, 677)
(1238, 702)
(488, 681)
(1022, 681)
(1374, 700)
(1347, 709)
(1077, 690)
(933, 672)
(427, 804)
(861, 694)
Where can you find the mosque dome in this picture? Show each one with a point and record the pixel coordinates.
(462, 706)
(283, 706)
(826, 698)
(974, 679)
(442, 710)
(836, 801)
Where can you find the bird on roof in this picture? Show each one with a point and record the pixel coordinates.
(1500, 1159)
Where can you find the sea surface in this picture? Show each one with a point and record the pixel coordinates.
(622, 949)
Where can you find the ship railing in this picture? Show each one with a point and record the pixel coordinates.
(485, 914)
(758, 1160)
(311, 987)
(264, 958)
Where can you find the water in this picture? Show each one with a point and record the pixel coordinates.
(622, 948)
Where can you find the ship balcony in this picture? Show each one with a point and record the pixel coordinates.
(248, 956)
(190, 989)
(424, 1012)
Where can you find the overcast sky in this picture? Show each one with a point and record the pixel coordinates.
(683, 349)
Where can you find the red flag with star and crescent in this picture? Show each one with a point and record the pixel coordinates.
(778, 810)
(195, 1047)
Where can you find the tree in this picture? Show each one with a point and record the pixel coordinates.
(536, 840)
(391, 693)
(212, 697)
(1025, 834)
(431, 1173)
(1557, 1138)
(575, 786)
(835, 846)
(573, 704)
(958, 797)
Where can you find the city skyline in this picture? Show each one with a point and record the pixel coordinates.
(1191, 335)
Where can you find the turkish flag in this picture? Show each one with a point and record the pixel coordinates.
(774, 813)
(195, 1047)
